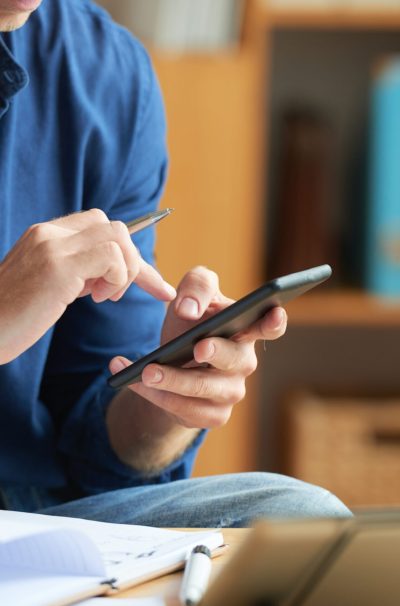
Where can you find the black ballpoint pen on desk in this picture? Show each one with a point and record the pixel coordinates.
(196, 576)
(149, 219)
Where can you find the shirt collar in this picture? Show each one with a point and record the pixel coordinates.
(13, 77)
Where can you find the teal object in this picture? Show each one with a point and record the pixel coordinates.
(383, 223)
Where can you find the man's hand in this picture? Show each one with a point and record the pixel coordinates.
(196, 396)
(56, 262)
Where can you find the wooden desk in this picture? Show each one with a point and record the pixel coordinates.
(168, 586)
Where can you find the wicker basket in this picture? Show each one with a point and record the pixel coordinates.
(351, 446)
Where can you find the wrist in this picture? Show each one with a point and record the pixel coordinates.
(144, 436)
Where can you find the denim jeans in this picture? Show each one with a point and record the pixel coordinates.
(234, 500)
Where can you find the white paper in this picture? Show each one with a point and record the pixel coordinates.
(156, 601)
(35, 589)
(53, 551)
(87, 552)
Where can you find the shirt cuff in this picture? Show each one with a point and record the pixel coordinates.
(92, 463)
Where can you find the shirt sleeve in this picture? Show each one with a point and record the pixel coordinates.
(74, 386)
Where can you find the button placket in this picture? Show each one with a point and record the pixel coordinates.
(13, 77)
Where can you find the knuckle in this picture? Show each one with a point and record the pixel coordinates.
(98, 215)
(250, 365)
(225, 391)
(218, 416)
(38, 232)
(212, 276)
(240, 392)
(194, 275)
(48, 257)
(119, 228)
(111, 249)
(234, 363)
(118, 271)
(201, 387)
(235, 393)
(191, 417)
(170, 381)
(203, 277)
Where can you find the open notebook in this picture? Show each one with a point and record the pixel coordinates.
(54, 561)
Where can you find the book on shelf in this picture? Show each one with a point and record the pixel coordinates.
(303, 230)
(180, 25)
(56, 561)
(382, 251)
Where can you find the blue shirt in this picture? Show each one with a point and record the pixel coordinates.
(81, 126)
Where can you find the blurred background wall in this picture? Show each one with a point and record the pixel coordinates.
(284, 137)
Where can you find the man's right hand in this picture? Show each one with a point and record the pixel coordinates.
(56, 262)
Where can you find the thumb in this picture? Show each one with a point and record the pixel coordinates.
(118, 363)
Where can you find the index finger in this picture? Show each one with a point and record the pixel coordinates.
(152, 282)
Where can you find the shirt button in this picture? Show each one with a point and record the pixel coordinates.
(11, 76)
(8, 76)
(13, 80)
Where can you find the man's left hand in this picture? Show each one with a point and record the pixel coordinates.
(199, 396)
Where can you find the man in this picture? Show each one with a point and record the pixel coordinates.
(82, 137)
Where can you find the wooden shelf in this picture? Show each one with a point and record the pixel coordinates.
(344, 308)
(341, 18)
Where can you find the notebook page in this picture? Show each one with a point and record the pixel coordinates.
(35, 589)
(153, 601)
(131, 552)
(131, 564)
(33, 547)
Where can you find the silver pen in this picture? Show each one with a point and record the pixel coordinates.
(196, 576)
(146, 220)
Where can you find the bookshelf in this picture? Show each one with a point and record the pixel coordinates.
(342, 340)
(219, 187)
(370, 36)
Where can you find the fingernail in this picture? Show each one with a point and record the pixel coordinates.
(170, 290)
(210, 351)
(280, 316)
(117, 365)
(189, 307)
(154, 375)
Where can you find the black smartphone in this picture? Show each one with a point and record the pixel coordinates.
(226, 323)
